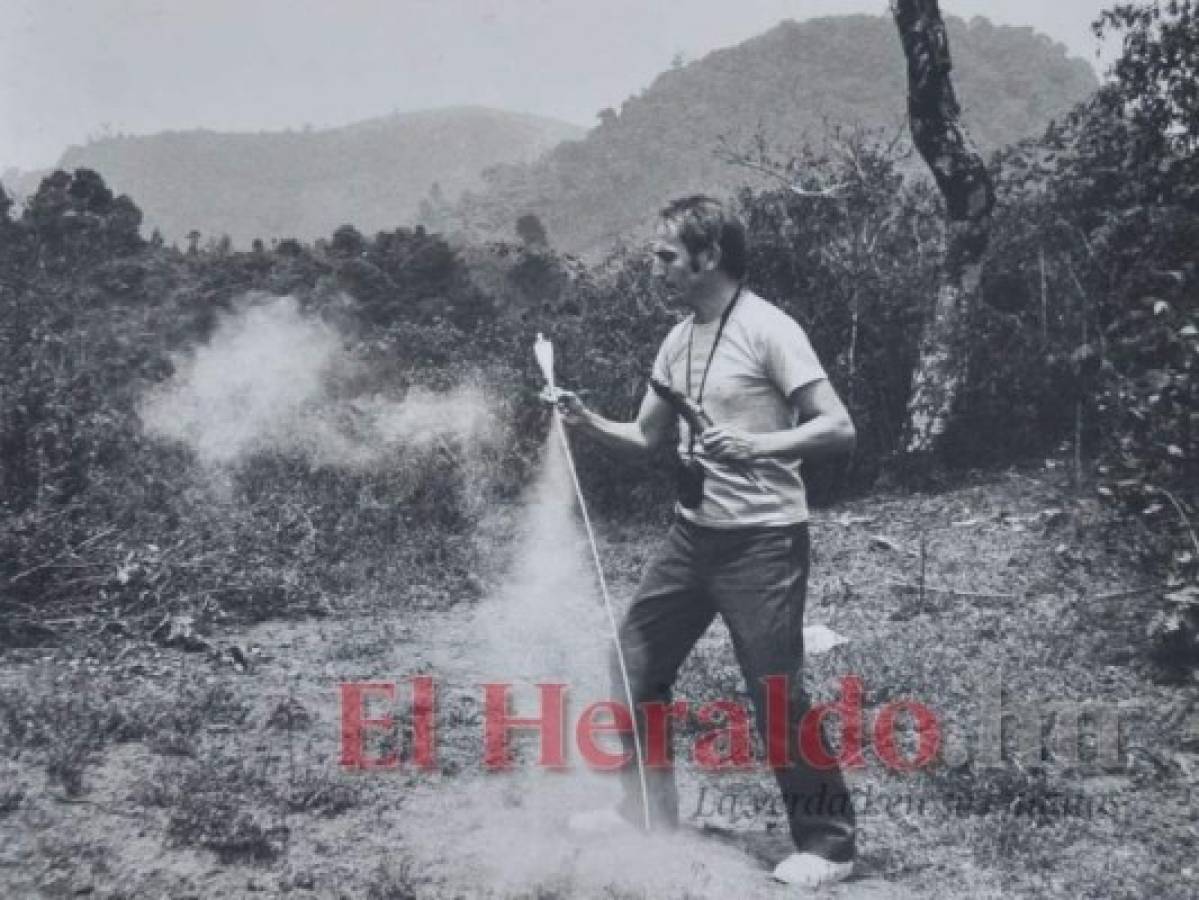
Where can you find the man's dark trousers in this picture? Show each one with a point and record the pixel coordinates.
(756, 580)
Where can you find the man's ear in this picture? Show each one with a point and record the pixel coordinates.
(710, 259)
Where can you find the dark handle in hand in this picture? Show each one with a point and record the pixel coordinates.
(691, 412)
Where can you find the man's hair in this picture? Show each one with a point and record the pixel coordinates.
(704, 223)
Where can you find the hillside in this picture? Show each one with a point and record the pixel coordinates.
(305, 183)
(787, 84)
(289, 537)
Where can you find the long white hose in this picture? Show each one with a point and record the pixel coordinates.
(544, 353)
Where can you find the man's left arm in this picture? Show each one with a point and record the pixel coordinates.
(825, 429)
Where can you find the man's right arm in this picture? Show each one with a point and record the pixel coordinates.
(648, 431)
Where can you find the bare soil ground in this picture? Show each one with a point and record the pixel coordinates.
(130, 770)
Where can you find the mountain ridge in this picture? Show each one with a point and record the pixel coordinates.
(473, 170)
(304, 183)
(786, 84)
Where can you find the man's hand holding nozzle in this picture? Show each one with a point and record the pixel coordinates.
(570, 407)
(729, 444)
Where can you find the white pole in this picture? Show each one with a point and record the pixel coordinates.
(544, 351)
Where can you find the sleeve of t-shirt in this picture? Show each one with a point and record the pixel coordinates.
(661, 369)
(791, 362)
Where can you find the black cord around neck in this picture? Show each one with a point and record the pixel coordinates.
(703, 381)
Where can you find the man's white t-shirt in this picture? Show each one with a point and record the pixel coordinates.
(763, 356)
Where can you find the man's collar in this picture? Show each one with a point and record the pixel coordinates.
(717, 313)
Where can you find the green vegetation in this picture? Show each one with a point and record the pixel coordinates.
(1086, 339)
(174, 614)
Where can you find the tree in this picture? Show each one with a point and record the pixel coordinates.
(1126, 183)
(965, 184)
(531, 232)
(347, 242)
(89, 191)
(122, 225)
(1154, 95)
(75, 216)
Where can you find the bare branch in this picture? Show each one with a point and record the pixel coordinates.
(1182, 515)
(832, 192)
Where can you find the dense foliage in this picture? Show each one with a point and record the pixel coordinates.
(1084, 349)
(97, 514)
(1106, 205)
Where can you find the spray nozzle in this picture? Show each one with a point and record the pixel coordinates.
(543, 350)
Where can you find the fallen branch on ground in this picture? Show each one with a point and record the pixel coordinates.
(69, 551)
(1182, 515)
(951, 591)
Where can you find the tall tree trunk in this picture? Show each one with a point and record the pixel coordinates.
(969, 196)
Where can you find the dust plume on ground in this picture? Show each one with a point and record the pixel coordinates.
(508, 830)
(545, 622)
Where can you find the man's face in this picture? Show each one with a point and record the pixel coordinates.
(673, 263)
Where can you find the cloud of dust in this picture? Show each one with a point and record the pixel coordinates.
(267, 381)
(546, 623)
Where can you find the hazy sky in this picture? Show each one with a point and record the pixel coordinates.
(70, 69)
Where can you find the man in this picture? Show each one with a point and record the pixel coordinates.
(739, 545)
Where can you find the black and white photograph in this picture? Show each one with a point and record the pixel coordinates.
(637, 450)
